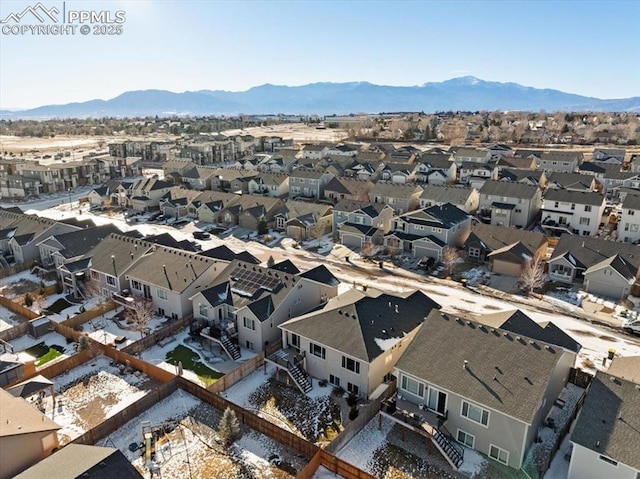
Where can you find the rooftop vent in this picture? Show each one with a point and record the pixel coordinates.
(466, 363)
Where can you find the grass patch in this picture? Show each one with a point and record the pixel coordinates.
(54, 352)
(59, 306)
(191, 360)
(38, 350)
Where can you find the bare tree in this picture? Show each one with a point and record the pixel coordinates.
(450, 257)
(367, 250)
(532, 275)
(93, 289)
(140, 312)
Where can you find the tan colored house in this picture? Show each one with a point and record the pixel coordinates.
(26, 435)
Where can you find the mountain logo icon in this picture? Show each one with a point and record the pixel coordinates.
(39, 11)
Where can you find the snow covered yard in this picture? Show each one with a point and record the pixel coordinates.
(19, 284)
(113, 325)
(50, 339)
(93, 392)
(314, 416)
(191, 446)
(8, 319)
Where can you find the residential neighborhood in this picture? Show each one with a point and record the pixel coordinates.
(363, 276)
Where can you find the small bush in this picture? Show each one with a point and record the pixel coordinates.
(28, 300)
(271, 262)
(322, 383)
(352, 400)
(353, 413)
(338, 391)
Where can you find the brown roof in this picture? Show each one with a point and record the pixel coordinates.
(17, 416)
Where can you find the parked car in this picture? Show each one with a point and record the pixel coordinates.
(201, 235)
(180, 224)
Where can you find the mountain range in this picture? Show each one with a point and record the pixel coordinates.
(464, 93)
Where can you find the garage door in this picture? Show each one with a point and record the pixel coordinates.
(506, 268)
(420, 251)
(351, 241)
(600, 288)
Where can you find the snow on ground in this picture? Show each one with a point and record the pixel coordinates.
(239, 393)
(324, 473)
(359, 450)
(91, 393)
(559, 468)
(25, 341)
(105, 329)
(21, 276)
(6, 319)
(473, 464)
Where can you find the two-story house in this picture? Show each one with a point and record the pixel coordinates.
(572, 182)
(308, 183)
(612, 156)
(576, 212)
(275, 185)
(492, 395)
(356, 339)
(359, 223)
(401, 198)
(465, 198)
(475, 174)
(629, 224)
(315, 151)
(398, 173)
(465, 154)
(562, 161)
(509, 204)
(246, 304)
(528, 177)
(199, 177)
(145, 194)
(427, 232)
(302, 220)
(435, 169)
(170, 277)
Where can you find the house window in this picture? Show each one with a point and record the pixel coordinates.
(249, 345)
(203, 310)
(162, 294)
(317, 350)
(351, 364)
(587, 208)
(466, 438)
(475, 413)
(295, 340)
(334, 380)
(632, 212)
(353, 389)
(573, 206)
(498, 454)
(95, 275)
(136, 285)
(249, 323)
(436, 230)
(474, 252)
(411, 385)
(556, 205)
(111, 281)
(584, 221)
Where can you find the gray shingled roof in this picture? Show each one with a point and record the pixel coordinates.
(502, 372)
(446, 194)
(631, 202)
(577, 197)
(439, 216)
(492, 237)
(358, 325)
(509, 190)
(587, 251)
(608, 423)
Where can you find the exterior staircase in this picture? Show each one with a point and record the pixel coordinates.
(299, 377)
(452, 452)
(232, 350)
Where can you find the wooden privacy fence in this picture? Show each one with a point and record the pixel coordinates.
(86, 316)
(18, 308)
(342, 468)
(6, 272)
(366, 413)
(15, 332)
(112, 424)
(147, 368)
(170, 329)
(580, 378)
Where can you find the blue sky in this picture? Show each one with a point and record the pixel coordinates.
(586, 47)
